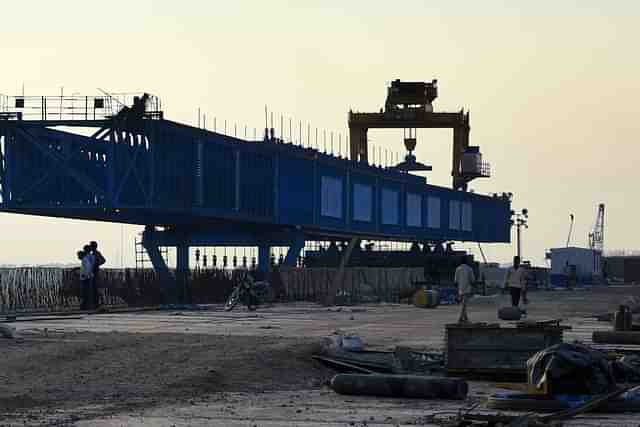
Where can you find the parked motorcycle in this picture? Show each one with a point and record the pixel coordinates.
(250, 293)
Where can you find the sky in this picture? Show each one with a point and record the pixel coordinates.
(552, 87)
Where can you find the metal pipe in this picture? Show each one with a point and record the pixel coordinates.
(400, 386)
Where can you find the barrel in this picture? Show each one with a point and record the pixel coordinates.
(400, 386)
(426, 298)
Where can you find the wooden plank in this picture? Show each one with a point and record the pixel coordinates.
(11, 319)
(488, 349)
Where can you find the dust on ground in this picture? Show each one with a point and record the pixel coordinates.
(240, 368)
(149, 369)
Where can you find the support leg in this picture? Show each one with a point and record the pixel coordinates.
(264, 261)
(330, 298)
(294, 252)
(182, 273)
(167, 280)
(359, 150)
(460, 145)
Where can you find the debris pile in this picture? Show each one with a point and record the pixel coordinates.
(555, 419)
(566, 376)
(570, 368)
(346, 353)
(400, 373)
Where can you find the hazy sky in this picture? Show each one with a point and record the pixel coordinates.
(553, 88)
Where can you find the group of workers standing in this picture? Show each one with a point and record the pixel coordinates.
(90, 262)
(515, 282)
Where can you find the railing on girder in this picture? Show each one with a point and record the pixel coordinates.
(69, 107)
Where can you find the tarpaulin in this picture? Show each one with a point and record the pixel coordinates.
(570, 369)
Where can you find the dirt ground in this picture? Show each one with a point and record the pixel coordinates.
(241, 368)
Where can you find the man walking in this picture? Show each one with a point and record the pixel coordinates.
(515, 282)
(98, 261)
(464, 279)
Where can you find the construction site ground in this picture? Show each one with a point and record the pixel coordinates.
(201, 368)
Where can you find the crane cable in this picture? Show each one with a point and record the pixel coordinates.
(570, 230)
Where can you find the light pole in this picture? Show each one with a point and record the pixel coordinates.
(519, 219)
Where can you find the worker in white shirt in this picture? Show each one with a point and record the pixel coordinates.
(464, 279)
(86, 278)
(515, 281)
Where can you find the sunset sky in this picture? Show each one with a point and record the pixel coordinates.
(553, 88)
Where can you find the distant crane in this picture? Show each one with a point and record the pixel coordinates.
(596, 237)
(570, 230)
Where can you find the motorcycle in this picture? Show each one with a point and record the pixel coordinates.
(250, 293)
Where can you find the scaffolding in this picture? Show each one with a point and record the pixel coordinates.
(69, 107)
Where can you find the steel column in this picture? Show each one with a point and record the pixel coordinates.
(167, 280)
(182, 273)
(264, 259)
(294, 251)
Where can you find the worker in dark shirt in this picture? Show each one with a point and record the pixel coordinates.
(99, 260)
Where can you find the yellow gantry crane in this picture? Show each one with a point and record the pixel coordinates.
(409, 106)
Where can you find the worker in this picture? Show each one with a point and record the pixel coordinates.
(464, 279)
(86, 275)
(514, 280)
(98, 261)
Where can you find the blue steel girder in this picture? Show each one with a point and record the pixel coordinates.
(40, 161)
(131, 162)
(224, 235)
(110, 169)
(60, 163)
(168, 174)
(209, 189)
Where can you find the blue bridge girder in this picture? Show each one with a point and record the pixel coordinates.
(205, 188)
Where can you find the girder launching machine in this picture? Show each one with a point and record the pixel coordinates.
(117, 159)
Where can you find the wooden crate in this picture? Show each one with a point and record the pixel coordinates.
(494, 349)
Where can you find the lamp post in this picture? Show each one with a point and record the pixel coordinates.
(519, 220)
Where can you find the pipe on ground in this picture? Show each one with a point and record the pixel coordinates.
(400, 386)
